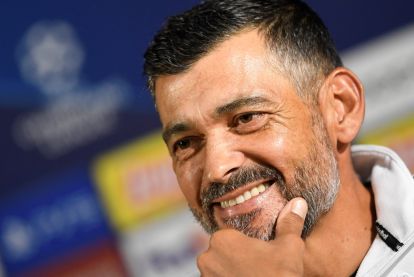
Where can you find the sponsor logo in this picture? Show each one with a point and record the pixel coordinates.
(137, 182)
(166, 247)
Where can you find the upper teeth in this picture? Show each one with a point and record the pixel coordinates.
(245, 196)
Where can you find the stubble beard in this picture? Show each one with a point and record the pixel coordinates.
(316, 179)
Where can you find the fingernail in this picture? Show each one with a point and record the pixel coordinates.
(300, 208)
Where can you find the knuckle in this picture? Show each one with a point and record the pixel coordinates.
(295, 240)
(292, 245)
(290, 224)
(293, 219)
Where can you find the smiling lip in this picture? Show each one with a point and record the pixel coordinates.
(243, 194)
(257, 202)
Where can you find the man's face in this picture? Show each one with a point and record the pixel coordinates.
(243, 142)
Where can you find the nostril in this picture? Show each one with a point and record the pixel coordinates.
(232, 170)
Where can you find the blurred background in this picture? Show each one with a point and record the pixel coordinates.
(86, 187)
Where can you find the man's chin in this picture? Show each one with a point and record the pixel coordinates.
(251, 224)
(256, 224)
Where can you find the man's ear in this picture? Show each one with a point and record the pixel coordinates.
(342, 102)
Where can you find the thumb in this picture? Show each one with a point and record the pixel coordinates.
(292, 218)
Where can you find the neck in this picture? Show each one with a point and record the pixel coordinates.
(343, 236)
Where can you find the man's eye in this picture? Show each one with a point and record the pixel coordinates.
(182, 144)
(245, 118)
(186, 147)
(250, 122)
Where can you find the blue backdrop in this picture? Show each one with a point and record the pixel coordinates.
(71, 88)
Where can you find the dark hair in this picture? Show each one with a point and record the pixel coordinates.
(295, 33)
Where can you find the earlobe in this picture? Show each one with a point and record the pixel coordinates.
(347, 104)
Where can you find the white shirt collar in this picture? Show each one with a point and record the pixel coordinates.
(393, 188)
(392, 184)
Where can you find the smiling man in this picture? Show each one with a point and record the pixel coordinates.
(259, 115)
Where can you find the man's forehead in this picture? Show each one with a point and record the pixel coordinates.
(234, 69)
(172, 98)
(186, 111)
(170, 86)
(239, 51)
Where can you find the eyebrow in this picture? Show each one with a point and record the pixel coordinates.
(180, 127)
(241, 102)
(174, 129)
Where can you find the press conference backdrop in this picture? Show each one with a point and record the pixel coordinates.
(86, 187)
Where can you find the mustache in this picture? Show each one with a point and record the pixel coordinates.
(240, 178)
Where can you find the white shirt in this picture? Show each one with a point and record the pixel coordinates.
(393, 188)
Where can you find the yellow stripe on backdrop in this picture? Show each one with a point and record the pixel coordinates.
(398, 135)
(136, 182)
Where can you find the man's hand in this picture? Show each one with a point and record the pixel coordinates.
(231, 253)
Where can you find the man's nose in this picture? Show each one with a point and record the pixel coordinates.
(223, 157)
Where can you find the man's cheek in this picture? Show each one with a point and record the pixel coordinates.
(190, 187)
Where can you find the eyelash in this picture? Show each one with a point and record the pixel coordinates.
(191, 141)
(251, 116)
